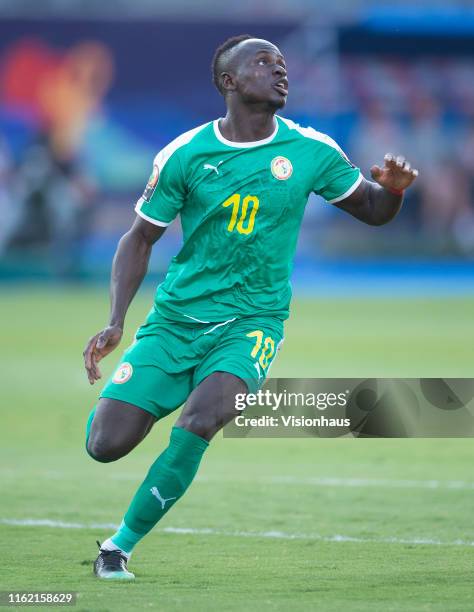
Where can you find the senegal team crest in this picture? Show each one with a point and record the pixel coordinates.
(152, 183)
(281, 168)
(123, 373)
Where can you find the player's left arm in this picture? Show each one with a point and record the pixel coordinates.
(378, 202)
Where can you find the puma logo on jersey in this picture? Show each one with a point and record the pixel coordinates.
(211, 167)
(154, 491)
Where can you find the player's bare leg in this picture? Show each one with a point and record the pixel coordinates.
(209, 407)
(116, 428)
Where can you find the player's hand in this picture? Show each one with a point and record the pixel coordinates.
(396, 173)
(98, 347)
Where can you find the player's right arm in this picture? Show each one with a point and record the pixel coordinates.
(129, 267)
(161, 201)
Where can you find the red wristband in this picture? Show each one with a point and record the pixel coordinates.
(398, 192)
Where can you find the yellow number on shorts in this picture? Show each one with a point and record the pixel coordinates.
(234, 201)
(268, 349)
(258, 343)
(267, 352)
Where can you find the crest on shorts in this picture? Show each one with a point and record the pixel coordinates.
(124, 372)
(152, 183)
(281, 168)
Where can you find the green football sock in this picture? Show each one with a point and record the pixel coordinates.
(88, 428)
(166, 481)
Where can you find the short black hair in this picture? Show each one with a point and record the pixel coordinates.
(219, 56)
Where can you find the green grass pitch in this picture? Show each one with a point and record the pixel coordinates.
(295, 524)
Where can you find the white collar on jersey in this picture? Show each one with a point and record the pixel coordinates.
(238, 145)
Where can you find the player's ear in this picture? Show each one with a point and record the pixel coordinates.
(228, 82)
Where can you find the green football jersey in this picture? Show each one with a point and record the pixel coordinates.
(241, 206)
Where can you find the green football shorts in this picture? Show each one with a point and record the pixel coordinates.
(169, 359)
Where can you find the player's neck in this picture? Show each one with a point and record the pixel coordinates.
(240, 125)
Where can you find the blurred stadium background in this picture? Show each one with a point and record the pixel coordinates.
(89, 92)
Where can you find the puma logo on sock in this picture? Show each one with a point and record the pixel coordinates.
(154, 491)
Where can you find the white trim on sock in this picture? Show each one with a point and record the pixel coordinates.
(109, 545)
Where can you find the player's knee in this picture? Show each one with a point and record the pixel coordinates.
(198, 423)
(104, 450)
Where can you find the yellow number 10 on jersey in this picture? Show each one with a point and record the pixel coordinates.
(246, 221)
